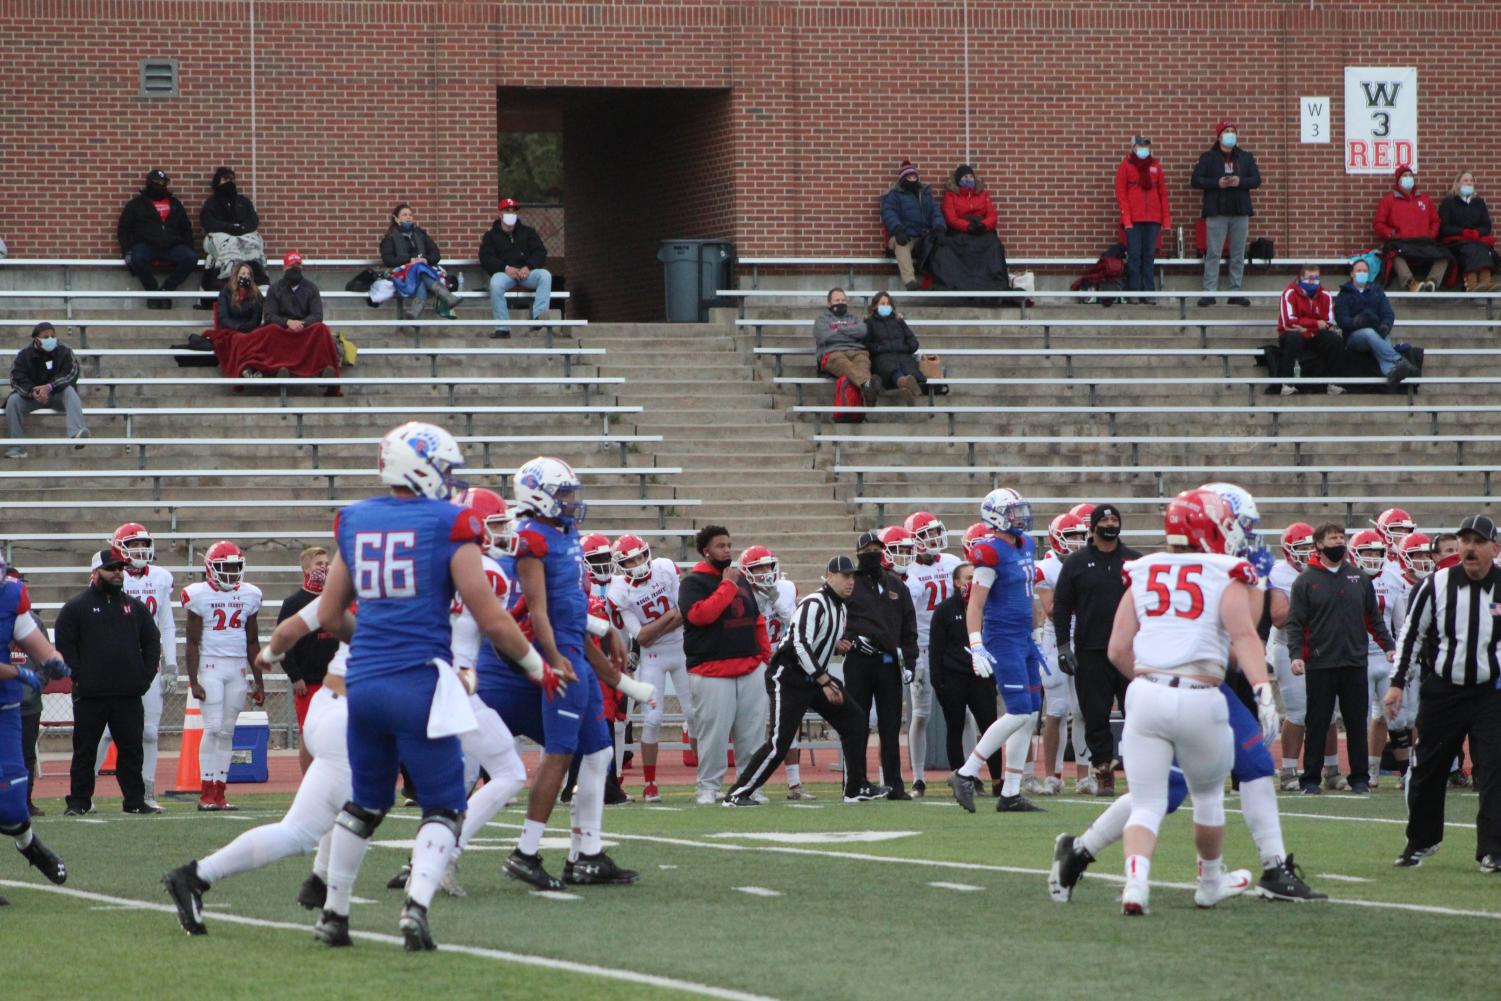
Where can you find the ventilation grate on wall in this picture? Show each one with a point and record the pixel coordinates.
(158, 77)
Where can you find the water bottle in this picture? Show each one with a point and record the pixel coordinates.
(461, 281)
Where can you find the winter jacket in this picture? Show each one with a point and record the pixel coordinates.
(398, 248)
(1406, 215)
(948, 641)
(1140, 194)
(1089, 588)
(283, 302)
(111, 642)
(1357, 308)
(724, 632)
(34, 367)
(1330, 614)
(235, 216)
(911, 215)
(880, 609)
(1463, 220)
(1212, 166)
(839, 333)
(520, 248)
(141, 223)
(1301, 313)
(960, 207)
(889, 335)
(237, 314)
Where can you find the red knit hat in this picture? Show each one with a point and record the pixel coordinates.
(1403, 169)
(1222, 125)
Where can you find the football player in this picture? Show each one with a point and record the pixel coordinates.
(1416, 555)
(929, 575)
(599, 560)
(1368, 548)
(222, 642)
(1066, 535)
(1297, 550)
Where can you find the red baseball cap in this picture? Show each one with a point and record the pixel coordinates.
(292, 259)
(507, 203)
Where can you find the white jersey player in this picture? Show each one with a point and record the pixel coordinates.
(1297, 548)
(222, 641)
(1369, 550)
(1066, 535)
(929, 574)
(776, 599)
(599, 561)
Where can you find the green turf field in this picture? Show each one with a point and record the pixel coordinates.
(934, 903)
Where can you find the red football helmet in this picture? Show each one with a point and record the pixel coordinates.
(931, 535)
(598, 557)
(1201, 520)
(1394, 524)
(1415, 554)
(899, 547)
(1067, 533)
(500, 524)
(224, 565)
(1082, 512)
(1369, 549)
(973, 535)
(632, 557)
(1297, 544)
(760, 567)
(132, 541)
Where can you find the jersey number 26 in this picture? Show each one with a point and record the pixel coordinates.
(384, 564)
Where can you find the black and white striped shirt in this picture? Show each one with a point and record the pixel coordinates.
(816, 627)
(1459, 619)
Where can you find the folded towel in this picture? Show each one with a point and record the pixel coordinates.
(451, 713)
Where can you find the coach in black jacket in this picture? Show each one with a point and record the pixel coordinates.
(880, 651)
(1332, 608)
(1089, 588)
(954, 680)
(112, 644)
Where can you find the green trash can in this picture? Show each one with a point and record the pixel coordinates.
(692, 271)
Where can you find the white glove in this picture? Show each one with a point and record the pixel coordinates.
(168, 680)
(1266, 712)
(981, 660)
(640, 691)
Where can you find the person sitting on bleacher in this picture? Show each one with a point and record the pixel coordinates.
(893, 349)
(909, 212)
(230, 224)
(154, 229)
(1305, 327)
(1407, 225)
(839, 344)
(512, 254)
(1464, 226)
(44, 375)
(407, 244)
(241, 307)
(967, 207)
(1364, 315)
(293, 301)
(292, 340)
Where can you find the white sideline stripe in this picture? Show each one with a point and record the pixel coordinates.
(555, 895)
(961, 887)
(567, 966)
(975, 867)
(758, 891)
(1310, 816)
(1343, 879)
(804, 806)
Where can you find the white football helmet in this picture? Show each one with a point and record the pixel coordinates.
(1243, 506)
(423, 458)
(1005, 510)
(543, 486)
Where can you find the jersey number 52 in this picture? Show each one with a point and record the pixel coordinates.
(1164, 593)
(384, 564)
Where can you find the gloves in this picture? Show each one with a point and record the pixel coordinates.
(1385, 330)
(862, 644)
(1266, 712)
(168, 682)
(903, 238)
(55, 669)
(981, 661)
(975, 226)
(639, 691)
(1067, 662)
(906, 676)
(27, 676)
(1261, 560)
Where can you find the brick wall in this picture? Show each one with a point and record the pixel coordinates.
(364, 104)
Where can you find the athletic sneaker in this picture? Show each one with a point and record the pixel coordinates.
(964, 791)
(1490, 863)
(898, 793)
(186, 890)
(1134, 900)
(528, 869)
(1052, 786)
(1312, 789)
(1069, 863)
(399, 881)
(1359, 789)
(1033, 785)
(799, 792)
(919, 789)
(313, 893)
(1087, 786)
(1016, 804)
(1335, 781)
(1230, 884)
(651, 794)
(332, 929)
(866, 793)
(706, 799)
(597, 870)
(142, 808)
(614, 795)
(760, 798)
(744, 799)
(415, 934)
(1285, 882)
(1288, 780)
(1412, 858)
(45, 861)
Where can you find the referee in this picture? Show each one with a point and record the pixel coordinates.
(1454, 612)
(799, 679)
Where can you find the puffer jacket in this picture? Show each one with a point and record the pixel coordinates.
(1407, 215)
(889, 335)
(1140, 194)
(913, 214)
(960, 206)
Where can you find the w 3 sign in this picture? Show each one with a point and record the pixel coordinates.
(1381, 119)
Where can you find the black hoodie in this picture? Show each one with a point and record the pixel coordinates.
(141, 223)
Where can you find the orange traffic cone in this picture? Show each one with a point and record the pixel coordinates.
(108, 768)
(189, 778)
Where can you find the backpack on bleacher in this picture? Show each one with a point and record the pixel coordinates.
(1108, 274)
(849, 404)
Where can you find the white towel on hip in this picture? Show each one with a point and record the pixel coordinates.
(451, 713)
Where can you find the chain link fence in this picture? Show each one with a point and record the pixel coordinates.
(280, 710)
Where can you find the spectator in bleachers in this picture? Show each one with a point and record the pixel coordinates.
(44, 375)
(909, 212)
(966, 205)
(893, 349)
(293, 301)
(1226, 173)
(413, 258)
(293, 339)
(840, 342)
(1464, 226)
(1305, 327)
(241, 307)
(1141, 198)
(230, 233)
(1364, 315)
(512, 254)
(154, 228)
(1407, 225)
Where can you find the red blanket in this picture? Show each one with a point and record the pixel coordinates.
(269, 349)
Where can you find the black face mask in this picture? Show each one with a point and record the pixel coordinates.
(244, 281)
(910, 186)
(156, 191)
(227, 190)
(839, 309)
(720, 565)
(110, 586)
(294, 275)
(1108, 533)
(1332, 556)
(870, 563)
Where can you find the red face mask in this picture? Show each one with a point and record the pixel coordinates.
(314, 579)
(964, 591)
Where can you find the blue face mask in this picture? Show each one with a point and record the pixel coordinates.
(406, 227)
(1310, 287)
(1466, 190)
(967, 183)
(1407, 183)
(1361, 277)
(49, 344)
(883, 310)
(1228, 139)
(1143, 152)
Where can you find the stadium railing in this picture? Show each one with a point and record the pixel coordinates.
(303, 411)
(566, 355)
(451, 380)
(83, 324)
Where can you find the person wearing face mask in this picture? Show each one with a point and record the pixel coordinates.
(407, 244)
(967, 207)
(306, 663)
(230, 233)
(955, 683)
(1306, 330)
(154, 228)
(43, 376)
(893, 349)
(841, 346)
(1364, 316)
(1141, 199)
(1332, 609)
(1407, 225)
(1227, 174)
(241, 307)
(512, 254)
(1464, 226)
(909, 212)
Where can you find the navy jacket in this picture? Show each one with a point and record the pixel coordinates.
(1355, 309)
(916, 214)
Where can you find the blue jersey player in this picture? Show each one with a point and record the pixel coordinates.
(549, 569)
(403, 556)
(1000, 617)
(17, 626)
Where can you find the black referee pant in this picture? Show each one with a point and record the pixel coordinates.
(878, 679)
(1099, 685)
(1447, 714)
(1348, 686)
(126, 719)
(791, 698)
(956, 693)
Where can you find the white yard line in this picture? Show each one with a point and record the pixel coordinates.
(1300, 816)
(758, 891)
(1343, 879)
(961, 887)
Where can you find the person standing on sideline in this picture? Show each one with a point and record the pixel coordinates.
(1085, 597)
(1141, 197)
(512, 254)
(1454, 612)
(306, 663)
(1226, 173)
(955, 683)
(1332, 607)
(111, 641)
(43, 376)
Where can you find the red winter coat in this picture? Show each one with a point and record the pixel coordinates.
(958, 205)
(1303, 314)
(1406, 215)
(1138, 202)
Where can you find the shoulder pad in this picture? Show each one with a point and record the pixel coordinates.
(986, 556)
(467, 527)
(529, 542)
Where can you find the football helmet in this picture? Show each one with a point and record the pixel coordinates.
(1005, 510)
(973, 536)
(1415, 554)
(1394, 524)
(931, 535)
(1067, 534)
(1202, 521)
(598, 557)
(1243, 506)
(632, 557)
(224, 566)
(423, 458)
(899, 546)
(548, 488)
(1297, 544)
(499, 522)
(133, 541)
(1369, 549)
(760, 567)
(1082, 512)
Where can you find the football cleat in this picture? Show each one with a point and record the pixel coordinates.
(1288, 780)
(45, 861)
(597, 870)
(744, 799)
(313, 893)
(186, 891)
(332, 929)
(1052, 786)
(1069, 863)
(1230, 884)
(1087, 786)
(1334, 780)
(1032, 785)
(415, 934)
(799, 792)
(919, 789)
(528, 869)
(651, 794)
(399, 881)
(1412, 858)
(867, 793)
(1285, 882)
(449, 884)
(1459, 780)
(1134, 900)
(964, 791)
(1016, 804)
